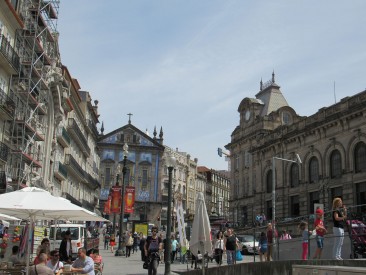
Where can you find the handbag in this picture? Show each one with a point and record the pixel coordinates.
(238, 255)
(313, 234)
(145, 265)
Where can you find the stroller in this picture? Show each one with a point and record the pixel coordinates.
(357, 233)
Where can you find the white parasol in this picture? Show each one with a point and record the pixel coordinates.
(37, 204)
(201, 230)
(5, 217)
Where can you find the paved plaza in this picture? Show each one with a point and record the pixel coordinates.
(133, 265)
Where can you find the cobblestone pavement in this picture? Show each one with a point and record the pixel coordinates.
(133, 265)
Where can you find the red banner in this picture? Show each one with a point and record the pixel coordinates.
(129, 199)
(116, 199)
(107, 205)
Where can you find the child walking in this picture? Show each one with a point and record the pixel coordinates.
(303, 227)
(263, 246)
(320, 231)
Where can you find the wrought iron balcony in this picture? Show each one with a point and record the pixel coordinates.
(7, 106)
(63, 137)
(74, 167)
(93, 127)
(60, 171)
(2, 181)
(78, 136)
(9, 53)
(4, 152)
(93, 183)
(87, 205)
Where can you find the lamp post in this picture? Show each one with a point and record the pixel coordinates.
(298, 160)
(117, 182)
(119, 251)
(170, 164)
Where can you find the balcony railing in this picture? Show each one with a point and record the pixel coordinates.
(79, 137)
(2, 180)
(74, 165)
(7, 105)
(63, 137)
(93, 183)
(92, 127)
(7, 50)
(4, 152)
(60, 171)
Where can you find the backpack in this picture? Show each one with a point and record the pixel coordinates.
(149, 240)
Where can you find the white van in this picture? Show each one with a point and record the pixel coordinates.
(78, 237)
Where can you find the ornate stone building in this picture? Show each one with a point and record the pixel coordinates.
(48, 126)
(331, 144)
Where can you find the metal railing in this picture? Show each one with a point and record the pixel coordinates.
(79, 137)
(9, 53)
(7, 103)
(69, 160)
(4, 152)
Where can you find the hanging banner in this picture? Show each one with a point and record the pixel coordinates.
(181, 226)
(107, 205)
(116, 199)
(129, 199)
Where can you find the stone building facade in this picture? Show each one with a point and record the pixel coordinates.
(330, 143)
(48, 125)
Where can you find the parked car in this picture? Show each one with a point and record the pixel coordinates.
(249, 244)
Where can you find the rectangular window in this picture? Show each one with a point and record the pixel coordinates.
(313, 198)
(295, 206)
(107, 176)
(144, 177)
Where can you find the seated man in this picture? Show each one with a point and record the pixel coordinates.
(54, 263)
(14, 255)
(83, 264)
(41, 268)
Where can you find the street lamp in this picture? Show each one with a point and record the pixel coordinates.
(170, 165)
(119, 251)
(298, 160)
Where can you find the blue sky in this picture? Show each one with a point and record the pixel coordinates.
(186, 65)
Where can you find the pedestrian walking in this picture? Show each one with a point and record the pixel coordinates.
(219, 248)
(263, 247)
(129, 244)
(303, 227)
(270, 235)
(112, 242)
(230, 246)
(106, 240)
(320, 232)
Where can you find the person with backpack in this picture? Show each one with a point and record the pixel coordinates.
(153, 246)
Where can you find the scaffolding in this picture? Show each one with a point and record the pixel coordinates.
(36, 45)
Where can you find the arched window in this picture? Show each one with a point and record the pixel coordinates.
(313, 170)
(269, 181)
(294, 177)
(335, 164)
(360, 157)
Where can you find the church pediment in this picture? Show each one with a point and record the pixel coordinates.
(131, 135)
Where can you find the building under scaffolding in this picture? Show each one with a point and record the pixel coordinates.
(48, 126)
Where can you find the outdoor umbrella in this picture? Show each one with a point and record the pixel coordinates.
(201, 230)
(8, 218)
(37, 204)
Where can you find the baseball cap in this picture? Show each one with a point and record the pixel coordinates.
(319, 211)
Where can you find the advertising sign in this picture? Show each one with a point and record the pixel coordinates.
(116, 199)
(129, 199)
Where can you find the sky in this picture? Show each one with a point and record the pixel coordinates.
(185, 65)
